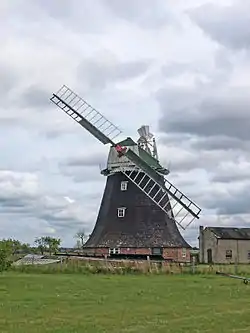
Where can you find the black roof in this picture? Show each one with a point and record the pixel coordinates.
(231, 233)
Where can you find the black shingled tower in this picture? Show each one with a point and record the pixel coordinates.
(145, 225)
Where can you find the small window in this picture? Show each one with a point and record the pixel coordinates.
(156, 251)
(124, 185)
(248, 255)
(229, 254)
(121, 212)
(184, 253)
(114, 251)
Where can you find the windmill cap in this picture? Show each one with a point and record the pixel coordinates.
(127, 142)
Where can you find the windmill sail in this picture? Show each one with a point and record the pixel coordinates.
(161, 191)
(84, 114)
(164, 194)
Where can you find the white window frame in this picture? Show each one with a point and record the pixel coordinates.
(121, 211)
(115, 250)
(124, 185)
(184, 252)
(229, 254)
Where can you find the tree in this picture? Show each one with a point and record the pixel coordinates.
(26, 248)
(82, 237)
(52, 244)
(5, 254)
(78, 244)
(16, 245)
(41, 244)
(47, 243)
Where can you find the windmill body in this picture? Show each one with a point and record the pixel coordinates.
(140, 208)
(129, 222)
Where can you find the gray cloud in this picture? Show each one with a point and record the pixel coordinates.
(191, 154)
(83, 168)
(77, 16)
(226, 177)
(82, 175)
(36, 98)
(221, 198)
(58, 9)
(220, 142)
(105, 69)
(233, 171)
(84, 160)
(228, 25)
(143, 12)
(218, 113)
(175, 69)
(8, 80)
(20, 193)
(234, 204)
(206, 128)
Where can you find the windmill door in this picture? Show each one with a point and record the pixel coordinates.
(209, 256)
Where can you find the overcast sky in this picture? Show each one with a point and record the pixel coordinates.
(183, 67)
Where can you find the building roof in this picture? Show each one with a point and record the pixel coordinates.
(127, 142)
(231, 233)
(150, 160)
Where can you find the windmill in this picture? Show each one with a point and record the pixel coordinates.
(140, 208)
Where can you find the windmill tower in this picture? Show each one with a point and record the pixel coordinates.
(140, 208)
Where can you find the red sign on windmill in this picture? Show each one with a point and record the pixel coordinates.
(121, 150)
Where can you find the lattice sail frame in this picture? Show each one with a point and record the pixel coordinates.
(163, 193)
(84, 114)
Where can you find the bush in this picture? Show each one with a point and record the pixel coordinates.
(5, 263)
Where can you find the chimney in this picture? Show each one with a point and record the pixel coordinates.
(201, 243)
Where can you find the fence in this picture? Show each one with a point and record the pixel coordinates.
(88, 266)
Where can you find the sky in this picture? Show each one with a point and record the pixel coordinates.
(182, 67)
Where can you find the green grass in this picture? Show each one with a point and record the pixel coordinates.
(72, 303)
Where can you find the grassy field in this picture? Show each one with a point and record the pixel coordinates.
(74, 303)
